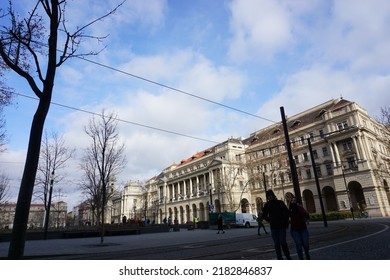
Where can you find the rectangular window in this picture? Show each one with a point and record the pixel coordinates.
(318, 171)
(322, 133)
(325, 151)
(351, 162)
(342, 125)
(329, 170)
(306, 157)
(315, 154)
(347, 146)
(296, 159)
(308, 173)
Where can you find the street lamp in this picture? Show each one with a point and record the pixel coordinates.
(317, 183)
(294, 174)
(347, 190)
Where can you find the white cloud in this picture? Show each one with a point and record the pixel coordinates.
(319, 83)
(260, 29)
(295, 54)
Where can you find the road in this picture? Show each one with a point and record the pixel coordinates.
(364, 239)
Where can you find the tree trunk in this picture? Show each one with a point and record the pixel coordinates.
(16, 248)
(103, 207)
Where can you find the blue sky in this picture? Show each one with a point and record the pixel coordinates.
(255, 56)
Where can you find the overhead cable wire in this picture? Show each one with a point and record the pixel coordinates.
(124, 121)
(166, 86)
(174, 89)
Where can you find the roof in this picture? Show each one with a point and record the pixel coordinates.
(302, 119)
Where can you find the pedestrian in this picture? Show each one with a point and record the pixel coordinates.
(298, 228)
(276, 213)
(170, 223)
(220, 223)
(260, 223)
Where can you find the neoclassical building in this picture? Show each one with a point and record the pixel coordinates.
(350, 169)
(210, 180)
(351, 159)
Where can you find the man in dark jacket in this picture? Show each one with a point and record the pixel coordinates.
(277, 214)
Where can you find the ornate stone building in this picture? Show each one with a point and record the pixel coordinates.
(350, 170)
(351, 165)
(210, 180)
(351, 159)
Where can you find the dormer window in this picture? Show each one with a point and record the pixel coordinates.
(323, 111)
(296, 124)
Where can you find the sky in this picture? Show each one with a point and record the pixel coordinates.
(182, 76)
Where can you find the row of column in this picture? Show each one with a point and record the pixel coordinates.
(187, 188)
(359, 148)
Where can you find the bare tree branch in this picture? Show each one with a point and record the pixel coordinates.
(103, 160)
(26, 45)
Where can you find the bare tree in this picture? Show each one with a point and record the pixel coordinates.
(382, 161)
(53, 158)
(5, 99)
(231, 182)
(31, 48)
(103, 160)
(4, 188)
(384, 119)
(90, 187)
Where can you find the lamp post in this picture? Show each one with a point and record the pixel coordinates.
(347, 190)
(317, 183)
(294, 174)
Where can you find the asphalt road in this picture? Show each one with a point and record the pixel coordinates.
(363, 239)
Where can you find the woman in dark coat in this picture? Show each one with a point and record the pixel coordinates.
(298, 229)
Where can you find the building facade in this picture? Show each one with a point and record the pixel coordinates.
(351, 167)
(339, 153)
(210, 180)
(36, 218)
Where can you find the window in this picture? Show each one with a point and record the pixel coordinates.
(347, 146)
(308, 173)
(315, 154)
(296, 159)
(351, 162)
(306, 157)
(318, 171)
(342, 125)
(329, 170)
(322, 133)
(325, 151)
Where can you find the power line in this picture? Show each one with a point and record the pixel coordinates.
(174, 89)
(124, 121)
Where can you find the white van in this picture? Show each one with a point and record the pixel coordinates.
(246, 220)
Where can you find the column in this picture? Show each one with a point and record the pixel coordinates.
(357, 147)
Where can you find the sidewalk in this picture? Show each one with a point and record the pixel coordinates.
(53, 247)
(118, 243)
